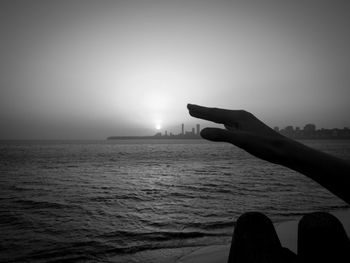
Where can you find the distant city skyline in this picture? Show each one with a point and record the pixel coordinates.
(308, 131)
(194, 131)
(88, 69)
(311, 127)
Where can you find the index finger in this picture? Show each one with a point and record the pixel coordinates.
(214, 114)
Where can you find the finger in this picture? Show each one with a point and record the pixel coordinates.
(237, 138)
(262, 147)
(209, 114)
(214, 114)
(232, 126)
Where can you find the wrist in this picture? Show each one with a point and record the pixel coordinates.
(302, 158)
(291, 152)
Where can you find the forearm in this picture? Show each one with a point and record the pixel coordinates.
(329, 171)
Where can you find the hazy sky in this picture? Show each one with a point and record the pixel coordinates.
(90, 69)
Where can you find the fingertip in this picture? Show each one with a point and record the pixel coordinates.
(204, 132)
(212, 134)
(195, 110)
(191, 106)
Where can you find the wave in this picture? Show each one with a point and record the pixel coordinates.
(211, 225)
(68, 252)
(158, 235)
(35, 204)
(135, 249)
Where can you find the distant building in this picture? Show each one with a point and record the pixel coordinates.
(166, 133)
(182, 129)
(193, 131)
(289, 129)
(198, 129)
(310, 128)
(335, 132)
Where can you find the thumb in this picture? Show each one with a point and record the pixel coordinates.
(235, 137)
(216, 134)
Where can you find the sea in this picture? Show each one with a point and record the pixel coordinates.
(141, 200)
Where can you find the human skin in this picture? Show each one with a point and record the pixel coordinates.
(243, 129)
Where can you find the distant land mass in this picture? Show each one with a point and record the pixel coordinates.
(156, 136)
(193, 134)
(309, 132)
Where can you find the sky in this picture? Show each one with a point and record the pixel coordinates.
(92, 69)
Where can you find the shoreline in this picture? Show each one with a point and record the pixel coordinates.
(286, 231)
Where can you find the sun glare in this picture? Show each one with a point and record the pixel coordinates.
(155, 89)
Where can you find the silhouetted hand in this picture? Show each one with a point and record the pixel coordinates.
(242, 129)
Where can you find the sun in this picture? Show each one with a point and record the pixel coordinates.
(158, 127)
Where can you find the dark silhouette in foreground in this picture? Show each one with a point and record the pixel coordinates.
(321, 236)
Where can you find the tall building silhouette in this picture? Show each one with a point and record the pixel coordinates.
(198, 129)
(182, 129)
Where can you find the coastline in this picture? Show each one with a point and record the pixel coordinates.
(287, 233)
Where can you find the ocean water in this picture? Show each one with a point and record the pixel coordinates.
(114, 201)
